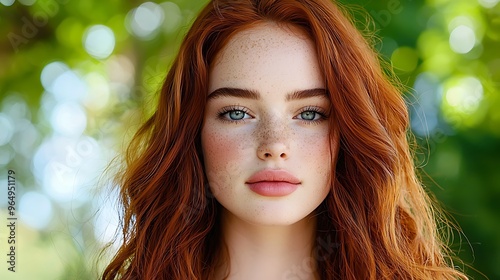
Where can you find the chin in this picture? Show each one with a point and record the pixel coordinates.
(276, 217)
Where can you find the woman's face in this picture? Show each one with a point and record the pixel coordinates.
(265, 135)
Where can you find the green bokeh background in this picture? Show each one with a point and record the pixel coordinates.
(453, 81)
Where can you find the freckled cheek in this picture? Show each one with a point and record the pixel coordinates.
(315, 150)
(221, 148)
(224, 154)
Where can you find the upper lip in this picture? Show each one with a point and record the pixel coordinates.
(273, 175)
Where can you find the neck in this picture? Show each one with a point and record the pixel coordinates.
(268, 251)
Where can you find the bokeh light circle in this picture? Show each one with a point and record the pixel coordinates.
(35, 210)
(462, 39)
(7, 2)
(51, 72)
(99, 41)
(145, 20)
(465, 95)
(7, 129)
(488, 3)
(69, 119)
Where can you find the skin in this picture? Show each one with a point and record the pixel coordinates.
(241, 136)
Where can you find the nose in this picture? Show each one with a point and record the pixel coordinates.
(269, 151)
(273, 141)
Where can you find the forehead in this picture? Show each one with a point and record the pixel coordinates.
(265, 35)
(264, 51)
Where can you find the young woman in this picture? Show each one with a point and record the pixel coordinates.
(278, 151)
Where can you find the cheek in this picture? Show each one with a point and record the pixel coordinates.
(316, 151)
(222, 153)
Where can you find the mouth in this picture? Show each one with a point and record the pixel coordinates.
(273, 183)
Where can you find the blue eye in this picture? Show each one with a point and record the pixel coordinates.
(312, 115)
(236, 115)
(309, 115)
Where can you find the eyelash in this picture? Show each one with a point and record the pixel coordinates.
(317, 110)
(226, 110)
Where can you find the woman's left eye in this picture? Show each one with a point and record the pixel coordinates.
(311, 115)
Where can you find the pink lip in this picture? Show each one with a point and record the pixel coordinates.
(270, 182)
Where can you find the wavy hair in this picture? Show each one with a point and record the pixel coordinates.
(377, 211)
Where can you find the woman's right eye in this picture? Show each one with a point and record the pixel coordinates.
(233, 114)
(236, 115)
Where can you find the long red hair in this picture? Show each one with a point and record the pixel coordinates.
(377, 213)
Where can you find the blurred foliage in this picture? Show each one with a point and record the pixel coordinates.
(445, 50)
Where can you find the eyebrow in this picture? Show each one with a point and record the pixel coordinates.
(251, 94)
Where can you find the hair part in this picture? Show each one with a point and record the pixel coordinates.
(378, 214)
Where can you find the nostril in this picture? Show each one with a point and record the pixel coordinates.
(272, 151)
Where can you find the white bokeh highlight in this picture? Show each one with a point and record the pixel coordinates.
(7, 2)
(68, 168)
(466, 95)
(462, 39)
(173, 17)
(107, 219)
(145, 20)
(7, 129)
(99, 41)
(51, 72)
(69, 119)
(69, 87)
(35, 210)
(488, 3)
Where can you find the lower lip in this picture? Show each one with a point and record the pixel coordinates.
(273, 188)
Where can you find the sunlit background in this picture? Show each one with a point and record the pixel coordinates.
(77, 77)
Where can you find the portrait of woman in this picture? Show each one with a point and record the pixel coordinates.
(279, 149)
